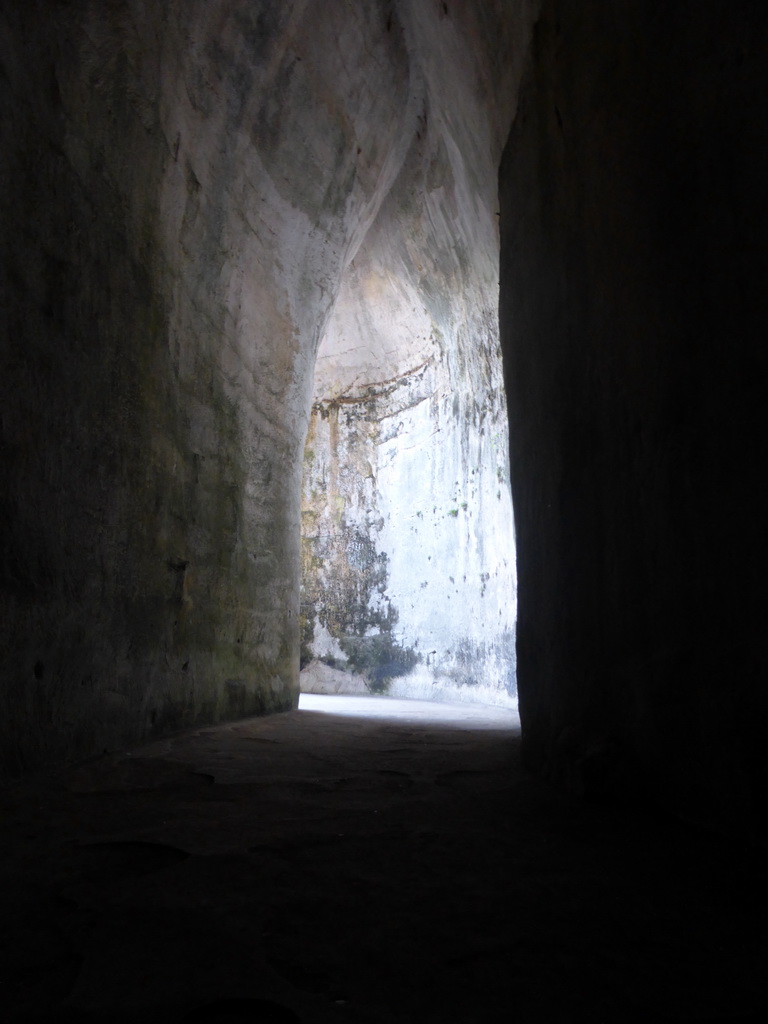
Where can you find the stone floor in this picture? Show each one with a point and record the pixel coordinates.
(362, 861)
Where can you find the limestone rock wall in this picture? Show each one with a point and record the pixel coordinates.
(408, 532)
(181, 187)
(633, 304)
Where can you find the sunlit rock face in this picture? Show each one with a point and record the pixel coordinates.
(408, 535)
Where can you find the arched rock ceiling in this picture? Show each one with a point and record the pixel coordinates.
(433, 247)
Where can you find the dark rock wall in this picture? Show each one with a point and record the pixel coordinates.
(633, 307)
(180, 187)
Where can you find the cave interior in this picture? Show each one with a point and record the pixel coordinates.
(298, 299)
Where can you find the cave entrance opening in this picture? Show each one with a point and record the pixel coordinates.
(408, 564)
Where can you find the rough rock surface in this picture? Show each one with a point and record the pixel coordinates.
(408, 534)
(633, 309)
(182, 187)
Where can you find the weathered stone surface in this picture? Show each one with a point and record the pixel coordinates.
(409, 567)
(182, 185)
(633, 307)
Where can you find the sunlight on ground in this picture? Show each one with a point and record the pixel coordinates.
(473, 716)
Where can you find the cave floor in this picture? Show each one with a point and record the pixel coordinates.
(331, 865)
